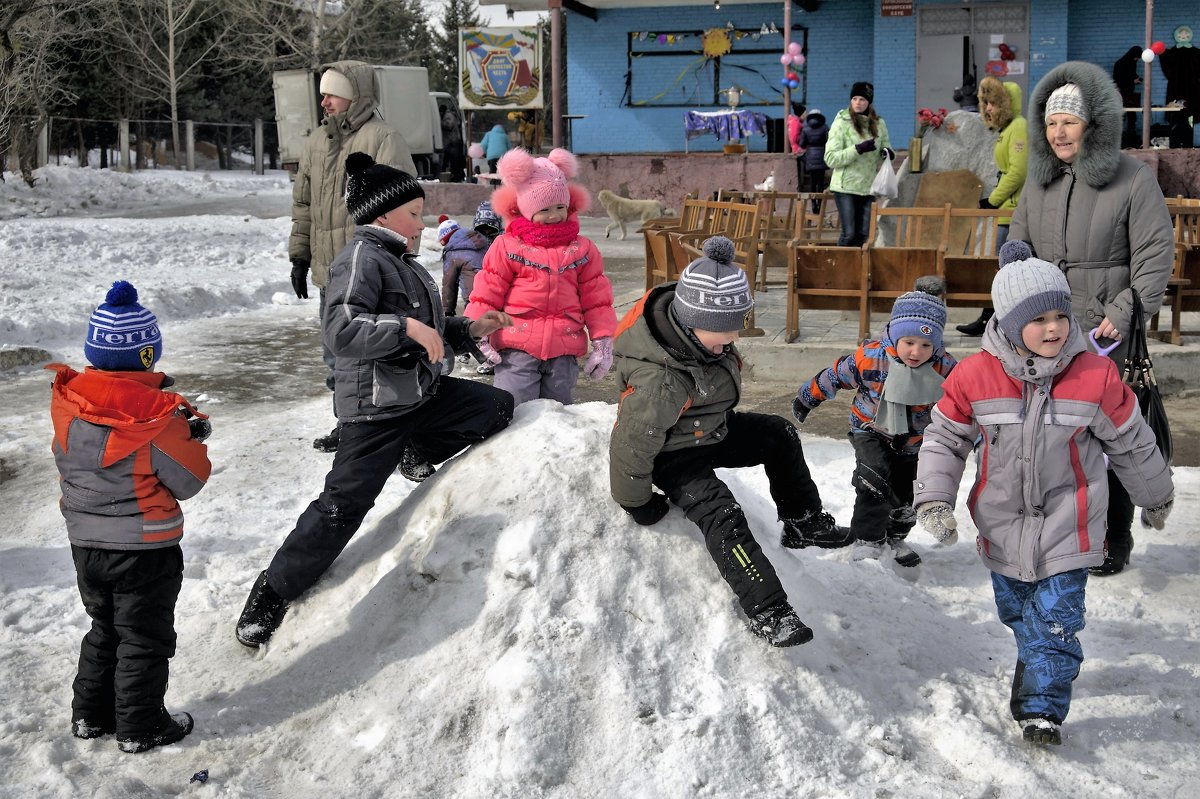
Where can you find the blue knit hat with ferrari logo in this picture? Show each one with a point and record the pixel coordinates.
(919, 315)
(122, 336)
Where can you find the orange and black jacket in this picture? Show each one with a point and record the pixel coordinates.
(125, 457)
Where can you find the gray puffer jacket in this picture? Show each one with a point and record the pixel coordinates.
(1041, 493)
(374, 287)
(1102, 219)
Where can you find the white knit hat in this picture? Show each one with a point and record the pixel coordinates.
(1067, 99)
(337, 84)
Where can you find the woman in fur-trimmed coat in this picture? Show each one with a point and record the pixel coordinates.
(1100, 216)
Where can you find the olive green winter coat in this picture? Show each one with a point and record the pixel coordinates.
(320, 225)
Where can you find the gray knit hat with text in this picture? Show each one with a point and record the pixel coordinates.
(1025, 288)
(713, 292)
(374, 189)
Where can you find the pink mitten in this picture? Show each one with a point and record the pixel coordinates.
(600, 361)
(489, 353)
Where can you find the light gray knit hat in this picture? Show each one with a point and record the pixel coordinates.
(713, 292)
(1025, 288)
(1067, 99)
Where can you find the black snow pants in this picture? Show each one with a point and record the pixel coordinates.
(687, 477)
(883, 488)
(123, 660)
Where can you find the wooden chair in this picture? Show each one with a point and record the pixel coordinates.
(1183, 287)
(662, 260)
(776, 227)
(821, 275)
(970, 261)
(912, 243)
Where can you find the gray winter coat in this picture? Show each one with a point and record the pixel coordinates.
(1041, 493)
(1103, 218)
(374, 287)
(320, 225)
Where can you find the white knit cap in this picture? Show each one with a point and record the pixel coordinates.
(337, 84)
(1067, 99)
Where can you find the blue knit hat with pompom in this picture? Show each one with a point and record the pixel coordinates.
(713, 292)
(122, 336)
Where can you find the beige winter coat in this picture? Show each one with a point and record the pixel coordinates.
(320, 225)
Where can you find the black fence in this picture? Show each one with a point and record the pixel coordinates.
(151, 142)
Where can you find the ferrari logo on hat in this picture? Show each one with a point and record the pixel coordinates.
(146, 354)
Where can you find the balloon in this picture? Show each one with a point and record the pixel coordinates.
(785, 59)
(792, 76)
(798, 60)
(794, 48)
(793, 84)
(784, 82)
(1158, 47)
(1147, 55)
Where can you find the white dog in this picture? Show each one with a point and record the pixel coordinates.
(622, 209)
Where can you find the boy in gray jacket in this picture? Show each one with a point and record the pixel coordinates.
(1047, 412)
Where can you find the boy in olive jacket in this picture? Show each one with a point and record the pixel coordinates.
(680, 378)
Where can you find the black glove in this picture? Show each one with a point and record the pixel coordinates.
(651, 512)
(800, 410)
(865, 146)
(300, 278)
(986, 204)
(890, 153)
(201, 429)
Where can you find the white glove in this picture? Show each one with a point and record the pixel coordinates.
(938, 519)
(1157, 517)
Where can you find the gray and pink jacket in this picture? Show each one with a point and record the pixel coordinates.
(125, 457)
(1041, 493)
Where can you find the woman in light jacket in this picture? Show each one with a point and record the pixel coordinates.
(1100, 216)
(858, 143)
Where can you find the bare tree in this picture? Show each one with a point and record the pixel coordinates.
(162, 44)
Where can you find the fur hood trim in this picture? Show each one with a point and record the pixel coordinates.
(1100, 151)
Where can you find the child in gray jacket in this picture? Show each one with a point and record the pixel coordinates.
(1046, 412)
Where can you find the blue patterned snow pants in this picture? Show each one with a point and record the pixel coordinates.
(1045, 617)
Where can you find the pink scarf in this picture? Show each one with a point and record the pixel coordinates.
(555, 235)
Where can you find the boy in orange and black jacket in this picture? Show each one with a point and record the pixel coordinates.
(126, 453)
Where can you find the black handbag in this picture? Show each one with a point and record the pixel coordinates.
(1139, 374)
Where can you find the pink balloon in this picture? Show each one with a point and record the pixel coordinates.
(785, 59)
(794, 48)
(798, 60)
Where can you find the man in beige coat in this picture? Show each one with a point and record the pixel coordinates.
(320, 225)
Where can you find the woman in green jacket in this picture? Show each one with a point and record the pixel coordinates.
(858, 142)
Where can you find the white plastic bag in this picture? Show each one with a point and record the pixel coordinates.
(886, 185)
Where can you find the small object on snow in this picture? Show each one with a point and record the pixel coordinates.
(200, 777)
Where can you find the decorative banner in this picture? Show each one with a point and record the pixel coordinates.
(500, 68)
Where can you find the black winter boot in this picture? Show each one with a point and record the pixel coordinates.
(414, 467)
(176, 728)
(330, 442)
(86, 729)
(977, 327)
(262, 615)
(1041, 731)
(779, 625)
(815, 528)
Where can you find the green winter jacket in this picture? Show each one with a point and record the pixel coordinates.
(320, 225)
(1011, 152)
(671, 397)
(853, 172)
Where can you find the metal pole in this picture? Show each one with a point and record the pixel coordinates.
(1146, 77)
(556, 72)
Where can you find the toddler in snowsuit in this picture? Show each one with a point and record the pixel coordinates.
(462, 255)
(1047, 412)
(898, 377)
(126, 452)
(548, 278)
(680, 378)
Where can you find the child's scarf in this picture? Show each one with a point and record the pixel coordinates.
(902, 388)
(555, 235)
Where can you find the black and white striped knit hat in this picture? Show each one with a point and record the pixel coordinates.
(713, 292)
(374, 189)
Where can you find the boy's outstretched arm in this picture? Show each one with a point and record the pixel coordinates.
(824, 386)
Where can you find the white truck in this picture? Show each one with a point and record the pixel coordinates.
(405, 103)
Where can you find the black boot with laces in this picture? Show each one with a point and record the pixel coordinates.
(262, 615)
(779, 625)
(815, 529)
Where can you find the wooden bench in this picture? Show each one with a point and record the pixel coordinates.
(971, 258)
(665, 258)
(1183, 287)
(820, 275)
(903, 245)
(776, 227)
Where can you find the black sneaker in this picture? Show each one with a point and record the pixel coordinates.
(330, 442)
(177, 727)
(1041, 731)
(262, 615)
(779, 625)
(816, 528)
(85, 729)
(414, 467)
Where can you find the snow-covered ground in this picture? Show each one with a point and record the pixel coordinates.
(504, 630)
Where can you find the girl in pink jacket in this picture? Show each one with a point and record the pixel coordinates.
(548, 278)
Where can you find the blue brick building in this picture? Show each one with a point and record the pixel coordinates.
(632, 73)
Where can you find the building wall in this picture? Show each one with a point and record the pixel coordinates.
(847, 41)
